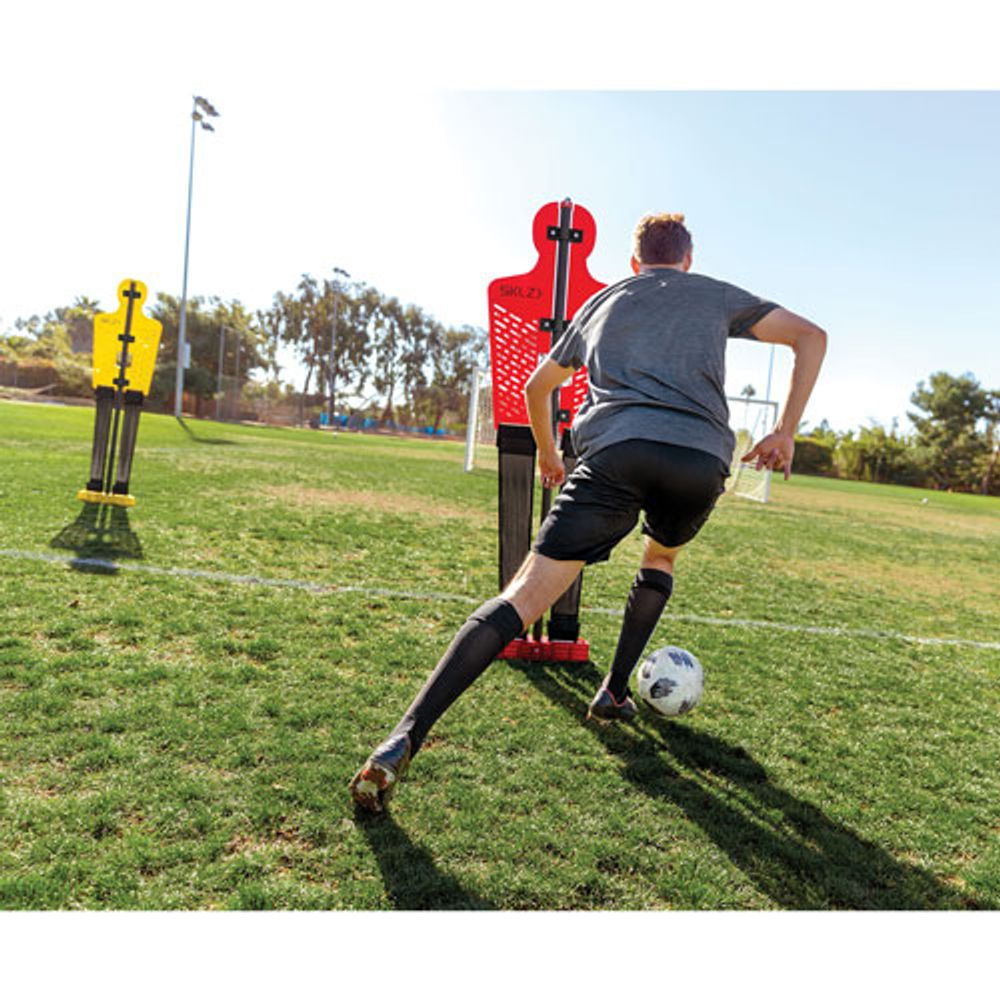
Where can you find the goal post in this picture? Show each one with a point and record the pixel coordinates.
(480, 434)
(750, 420)
(471, 420)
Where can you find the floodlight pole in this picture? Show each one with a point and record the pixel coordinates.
(199, 108)
(222, 358)
(333, 351)
(338, 272)
(239, 348)
(182, 323)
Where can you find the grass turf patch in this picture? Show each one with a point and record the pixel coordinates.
(185, 741)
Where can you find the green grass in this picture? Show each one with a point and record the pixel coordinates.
(183, 742)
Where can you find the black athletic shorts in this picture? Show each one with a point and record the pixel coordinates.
(601, 500)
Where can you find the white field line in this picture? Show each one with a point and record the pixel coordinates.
(416, 595)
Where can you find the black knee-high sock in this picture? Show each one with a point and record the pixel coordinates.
(476, 644)
(646, 600)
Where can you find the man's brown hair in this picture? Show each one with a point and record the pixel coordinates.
(661, 239)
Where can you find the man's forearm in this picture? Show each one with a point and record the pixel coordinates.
(540, 416)
(809, 353)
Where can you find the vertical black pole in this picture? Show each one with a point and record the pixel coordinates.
(564, 621)
(559, 314)
(558, 325)
(130, 430)
(124, 360)
(516, 475)
(104, 397)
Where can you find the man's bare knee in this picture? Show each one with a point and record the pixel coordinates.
(657, 556)
(538, 584)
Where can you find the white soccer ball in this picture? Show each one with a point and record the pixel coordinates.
(671, 681)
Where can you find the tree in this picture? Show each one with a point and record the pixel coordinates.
(421, 337)
(56, 347)
(388, 348)
(989, 482)
(44, 338)
(244, 338)
(78, 320)
(342, 355)
(304, 322)
(948, 438)
(454, 353)
(814, 451)
(878, 455)
(357, 317)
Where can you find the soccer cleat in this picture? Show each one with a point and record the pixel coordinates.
(373, 786)
(605, 708)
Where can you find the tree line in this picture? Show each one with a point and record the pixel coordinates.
(355, 345)
(954, 445)
(378, 356)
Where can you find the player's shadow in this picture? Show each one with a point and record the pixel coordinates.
(412, 880)
(202, 440)
(100, 535)
(795, 855)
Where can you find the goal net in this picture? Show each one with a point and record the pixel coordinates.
(750, 420)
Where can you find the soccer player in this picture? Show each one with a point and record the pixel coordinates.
(652, 436)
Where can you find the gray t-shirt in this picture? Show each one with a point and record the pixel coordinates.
(655, 349)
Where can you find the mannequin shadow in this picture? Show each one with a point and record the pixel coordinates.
(99, 535)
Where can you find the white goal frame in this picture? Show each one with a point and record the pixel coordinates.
(479, 430)
(750, 420)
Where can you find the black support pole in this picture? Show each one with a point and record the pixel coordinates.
(121, 381)
(564, 619)
(104, 402)
(130, 430)
(516, 475)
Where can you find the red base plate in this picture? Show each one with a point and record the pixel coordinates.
(547, 650)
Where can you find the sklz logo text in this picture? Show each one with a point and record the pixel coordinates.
(508, 291)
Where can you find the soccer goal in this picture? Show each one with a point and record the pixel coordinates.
(750, 419)
(480, 434)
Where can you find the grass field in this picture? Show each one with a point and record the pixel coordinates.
(184, 740)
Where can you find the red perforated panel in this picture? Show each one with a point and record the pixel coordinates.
(546, 651)
(571, 396)
(519, 302)
(513, 357)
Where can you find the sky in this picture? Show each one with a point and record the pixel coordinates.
(404, 148)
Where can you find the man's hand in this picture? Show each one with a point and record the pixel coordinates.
(773, 452)
(550, 464)
(808, 342)
(538, 390)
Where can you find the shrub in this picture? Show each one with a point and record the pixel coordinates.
(813, 458)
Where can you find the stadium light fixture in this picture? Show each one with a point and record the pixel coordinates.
(201, 110)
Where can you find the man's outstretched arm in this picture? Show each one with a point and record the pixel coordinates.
(545, 379)
(808, 342)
